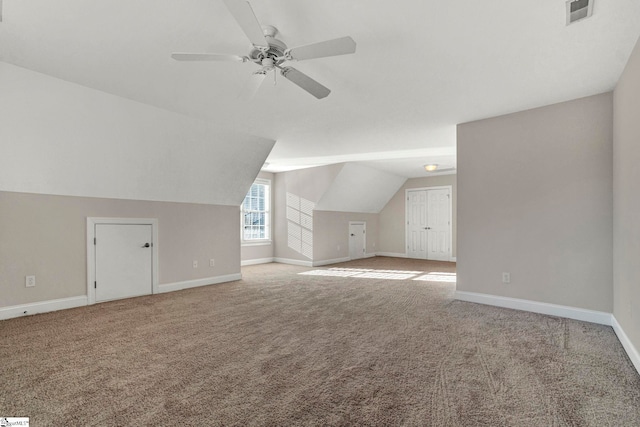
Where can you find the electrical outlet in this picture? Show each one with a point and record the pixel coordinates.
(195, 264)
(212, 262)
(30, 281)
(506, 277)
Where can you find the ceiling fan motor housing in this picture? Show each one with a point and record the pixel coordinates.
(276, 47)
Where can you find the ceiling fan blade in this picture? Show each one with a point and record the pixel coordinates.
(243, 13)
(341, 46)
(253, 85)
(185, 56)
(305, 82)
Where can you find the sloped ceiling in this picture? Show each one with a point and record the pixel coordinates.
(359, 188)
(60, 138)
(421, 66)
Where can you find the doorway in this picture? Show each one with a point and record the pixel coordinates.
(121, 258)
(429, 230)
(357, 239)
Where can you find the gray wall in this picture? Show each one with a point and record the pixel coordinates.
(535, 199)
(45, 236)
(308, 184)
(626, 188)
(332, 239)
(69, 152)
(392, 217)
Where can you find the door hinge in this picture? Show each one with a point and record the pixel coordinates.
(95, 241)
(95, 285)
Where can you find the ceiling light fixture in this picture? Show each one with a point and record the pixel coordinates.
(430, 168)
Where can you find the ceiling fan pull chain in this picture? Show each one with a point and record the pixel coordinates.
(275, 76)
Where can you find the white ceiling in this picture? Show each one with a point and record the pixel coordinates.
(421, 66)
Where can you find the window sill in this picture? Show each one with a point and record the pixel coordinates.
(256, 243)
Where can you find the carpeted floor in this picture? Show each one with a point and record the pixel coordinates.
(345, 345)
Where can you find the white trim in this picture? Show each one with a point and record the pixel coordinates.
(585, 315)
(453, 259)
(177, 286)
(443, 173)
(406, 216)
(91, 250)
(369, 255)
(628, 346)
(330, 261)
(256, 261)
(293, 262)
(41, 307)
(392, 254)
(435, 187)
(256, 243)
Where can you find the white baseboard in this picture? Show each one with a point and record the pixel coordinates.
(392, 254)
(330, 261)
(585, 315)
(42, 307)
(370, 255)
(293, 262)
(631, 350)
(170, 287)
(256, 261)
(400, 255)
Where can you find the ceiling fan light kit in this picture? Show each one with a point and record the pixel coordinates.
(270, 53)
(438, 169)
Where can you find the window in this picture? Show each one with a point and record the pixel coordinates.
(255, 210)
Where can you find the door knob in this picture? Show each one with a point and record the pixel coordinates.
(146, 245)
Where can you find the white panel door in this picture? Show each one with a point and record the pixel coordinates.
(123, 257)
(417, 224)
(357, 240)
(438, 225)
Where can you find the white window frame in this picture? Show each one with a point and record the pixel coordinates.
(268, 216)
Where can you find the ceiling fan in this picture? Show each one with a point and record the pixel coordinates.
(270, 53)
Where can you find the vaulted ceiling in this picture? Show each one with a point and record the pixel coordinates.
(421, 66)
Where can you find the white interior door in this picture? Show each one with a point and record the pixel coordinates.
(429, 224)
(123, 261)
(357, 236)
(438, 224)
(417, 224)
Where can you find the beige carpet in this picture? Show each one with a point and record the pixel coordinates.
(280, 349)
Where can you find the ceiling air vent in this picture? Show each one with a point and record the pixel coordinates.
(578, 9)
